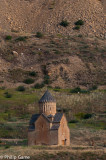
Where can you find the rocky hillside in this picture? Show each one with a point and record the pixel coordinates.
(57, 61)
(46, 15)
(63, 54)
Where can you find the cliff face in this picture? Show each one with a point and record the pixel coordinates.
(45, 16)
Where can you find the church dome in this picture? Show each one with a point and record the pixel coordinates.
(47, 97)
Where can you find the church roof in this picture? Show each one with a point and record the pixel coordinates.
(32, 121)
(50, 116)
(47, 97)
(55, 127)
(34, 118)
(46, 117)
(31, 128)
(57, 117)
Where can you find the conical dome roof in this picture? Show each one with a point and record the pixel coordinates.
(47, 97)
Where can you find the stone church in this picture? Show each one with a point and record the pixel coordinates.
(48, 127)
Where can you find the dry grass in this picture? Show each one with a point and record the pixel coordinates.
(93, 102)
(54, 153)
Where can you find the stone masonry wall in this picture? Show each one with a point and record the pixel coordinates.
(42, 131)
(54, 137)
(31, 138)
(47, 108)
(63, 132)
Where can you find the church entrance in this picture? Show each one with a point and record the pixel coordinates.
(64, 142)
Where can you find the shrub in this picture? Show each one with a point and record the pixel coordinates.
(79, 22)
(84, 91)
(8, 37)
(21, 88)
(81, 115)
(75, 90)
(74, 121)
(8, 95)
(46, 79)
(87, 116)
(21, 38)
(93, 87)
(78, 90)
(7, 146)
(39, 35)
(80, 35)
(38, 86)
(77, 27)
(64, 23)
(29, 81)
(33, 74)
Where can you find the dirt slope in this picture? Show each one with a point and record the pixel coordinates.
(58, 60)
(45, 16)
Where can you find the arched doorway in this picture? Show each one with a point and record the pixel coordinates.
(64, 142)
